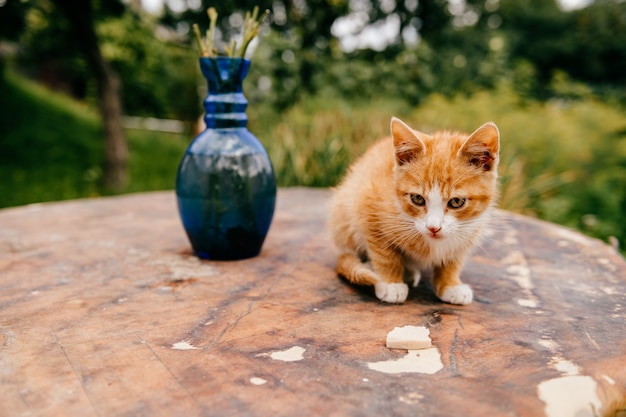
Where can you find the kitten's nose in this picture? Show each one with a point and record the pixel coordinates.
(434, 230)
(433, 223)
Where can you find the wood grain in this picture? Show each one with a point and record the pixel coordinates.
(105, 312)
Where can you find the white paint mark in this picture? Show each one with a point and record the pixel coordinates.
(184, 345)
(609, 290)
(290, 355)
(608, 379)
(572, 236)
(258, 381)
(607, 264)
(568, 368)
(570, 396)
(527, 303)
(510, 237)
(592, 340)
(367, 380)
(425, 361)
(411, 398)
(548, 344)
(521, 275)
(409, 337)
(515, 257)
(519, 272)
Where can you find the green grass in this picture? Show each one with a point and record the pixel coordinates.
(154, 158)
(51, 149)
(49, 145)
(313, 143)
(563, 161)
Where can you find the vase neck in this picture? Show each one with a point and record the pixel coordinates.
(225, 105)
(225, 110)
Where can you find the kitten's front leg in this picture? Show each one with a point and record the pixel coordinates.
(390, 268)
(448, 285)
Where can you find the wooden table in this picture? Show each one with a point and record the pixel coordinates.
(105, 312)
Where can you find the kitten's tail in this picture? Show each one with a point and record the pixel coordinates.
(351, 268)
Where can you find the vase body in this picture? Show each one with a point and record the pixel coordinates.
(225, 184)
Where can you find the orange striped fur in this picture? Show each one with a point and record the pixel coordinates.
(415, 201)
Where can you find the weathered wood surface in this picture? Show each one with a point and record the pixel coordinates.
(104, 312)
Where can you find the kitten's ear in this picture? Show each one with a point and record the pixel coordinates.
(482, 147)
(407, 144)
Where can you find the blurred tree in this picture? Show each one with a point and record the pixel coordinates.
(158, 74)
(421, 46)
(534, 30)
(74, 22)
(308, 50)
(588, 44)
(80, 14)
(12, 19)
(596, 43)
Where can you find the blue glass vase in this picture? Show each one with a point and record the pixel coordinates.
(225, 185)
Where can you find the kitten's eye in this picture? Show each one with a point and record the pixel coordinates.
(456, 202)
(418, 200)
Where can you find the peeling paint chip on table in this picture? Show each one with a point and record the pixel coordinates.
(409, 337)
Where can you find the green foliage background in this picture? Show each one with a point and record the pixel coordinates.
(553, 81)
(51, 148)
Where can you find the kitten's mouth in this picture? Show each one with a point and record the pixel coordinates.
(435, 236)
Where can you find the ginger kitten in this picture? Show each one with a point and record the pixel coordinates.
(415, 201)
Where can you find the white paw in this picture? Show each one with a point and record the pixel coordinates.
(458, 294)
(391, 293)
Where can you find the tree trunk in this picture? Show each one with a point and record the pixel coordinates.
(80, 15)
(115, 174)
